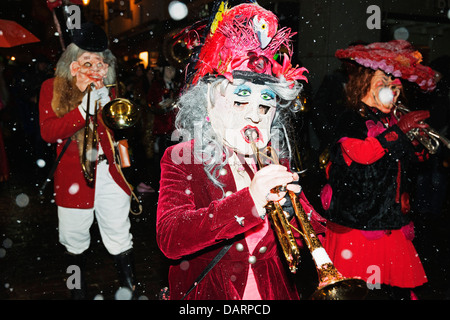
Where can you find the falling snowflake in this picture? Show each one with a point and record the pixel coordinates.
(74, 188)
(22, 200)
(123, 294)
(346, 254)
(40, 163)
(184, 265)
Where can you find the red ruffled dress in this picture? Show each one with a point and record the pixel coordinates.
(384, 257)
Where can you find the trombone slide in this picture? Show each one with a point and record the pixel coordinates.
(88, 161)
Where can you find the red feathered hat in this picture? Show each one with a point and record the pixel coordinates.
(246, 38)
(396, 57)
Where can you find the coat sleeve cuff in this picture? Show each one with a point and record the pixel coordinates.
(395, 142)
(82, 111)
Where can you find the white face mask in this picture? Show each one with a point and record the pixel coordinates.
(239, 108)
(89, 68)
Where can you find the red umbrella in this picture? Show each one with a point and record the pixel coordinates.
(13, 34)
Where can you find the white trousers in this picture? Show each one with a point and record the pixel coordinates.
(111, 209)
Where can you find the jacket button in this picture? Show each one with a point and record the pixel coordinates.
(240, 247)
(262, 249)
(252, 259)
(228, 193)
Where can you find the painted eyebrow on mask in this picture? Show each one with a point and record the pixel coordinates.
(268, 92)
(242, 88)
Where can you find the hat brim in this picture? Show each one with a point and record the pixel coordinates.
(397, 58)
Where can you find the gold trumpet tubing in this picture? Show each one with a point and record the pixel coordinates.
(285, 235)
(256, 153)
(327, 272)
(275, 212)
(307, 231)
(284, 229)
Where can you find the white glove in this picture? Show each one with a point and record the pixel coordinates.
(101, 95)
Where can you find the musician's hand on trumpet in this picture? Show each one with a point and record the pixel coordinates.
(264, 185)
(100, 96)
(103, 96)
(413, 119)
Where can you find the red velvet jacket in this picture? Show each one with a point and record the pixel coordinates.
(193, 219)
(70, 186)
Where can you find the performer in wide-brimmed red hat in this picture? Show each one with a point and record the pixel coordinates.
(367, 198)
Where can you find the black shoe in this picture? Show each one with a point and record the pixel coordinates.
(76, 281)
(124, 263)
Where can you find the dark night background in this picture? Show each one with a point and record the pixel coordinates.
(31, 267)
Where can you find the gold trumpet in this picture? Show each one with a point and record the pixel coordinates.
(431, 138)
(332, 285)
(117, 114)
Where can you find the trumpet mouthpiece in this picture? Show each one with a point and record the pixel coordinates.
(251, 134)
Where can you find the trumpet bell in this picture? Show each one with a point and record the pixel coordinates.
(176, 50)
(343, 289)
(120, 113)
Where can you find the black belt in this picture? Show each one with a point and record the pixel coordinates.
(102, 157)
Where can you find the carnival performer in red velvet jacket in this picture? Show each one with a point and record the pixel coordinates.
(210, 189)
(62, 111)
(369, 232)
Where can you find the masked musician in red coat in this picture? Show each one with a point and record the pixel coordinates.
(64, 101)
(210, 189)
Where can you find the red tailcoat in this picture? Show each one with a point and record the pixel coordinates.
(70, 186)
(192, 220)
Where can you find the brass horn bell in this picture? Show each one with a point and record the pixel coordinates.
(120, 113)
